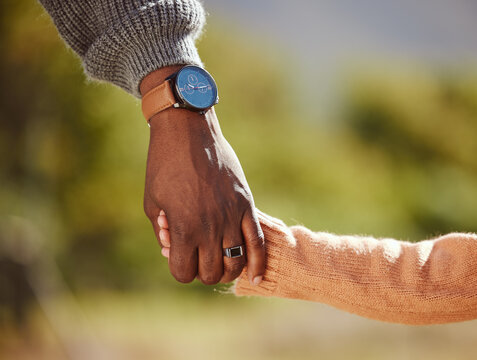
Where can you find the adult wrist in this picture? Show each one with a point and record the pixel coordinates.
(157, 77)
(152, 80)
(175, 117)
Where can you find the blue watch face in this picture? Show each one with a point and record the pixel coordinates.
(196, 87)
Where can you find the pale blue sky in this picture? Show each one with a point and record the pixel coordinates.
(324, 36)
(432, 30)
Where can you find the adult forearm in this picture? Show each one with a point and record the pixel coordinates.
(121, 41)
(423, 283)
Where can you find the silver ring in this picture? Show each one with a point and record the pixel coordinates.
(234, 252)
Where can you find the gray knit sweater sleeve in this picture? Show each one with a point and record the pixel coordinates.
(121, 41)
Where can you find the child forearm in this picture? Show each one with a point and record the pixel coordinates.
(429, 282)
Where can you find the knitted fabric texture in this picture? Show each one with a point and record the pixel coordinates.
(121, 41)
(429, 282)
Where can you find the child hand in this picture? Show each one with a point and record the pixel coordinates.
(164, 235)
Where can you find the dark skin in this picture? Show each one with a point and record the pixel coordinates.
(194, 176)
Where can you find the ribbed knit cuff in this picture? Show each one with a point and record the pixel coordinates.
(278, 244)
(154, 35)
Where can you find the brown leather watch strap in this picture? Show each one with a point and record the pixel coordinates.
(157, 100)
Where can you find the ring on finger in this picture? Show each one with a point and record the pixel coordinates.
(234, 252)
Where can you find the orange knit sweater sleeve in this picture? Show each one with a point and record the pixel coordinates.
(430, 282)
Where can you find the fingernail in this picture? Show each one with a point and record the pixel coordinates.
(257, 280)
(161, 236)
(162, 212)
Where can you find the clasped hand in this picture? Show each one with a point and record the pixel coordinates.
(194, 176)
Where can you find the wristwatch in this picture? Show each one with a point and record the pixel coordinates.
(191, 88)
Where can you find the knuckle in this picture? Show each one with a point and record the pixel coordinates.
(183, 267)
(208, 263)
(179, 230)
(231, 203)
(210, 278)
(208, 273)
(208, 225)
(245, 198)
(183, 277)
(235, 268)
(257, 241)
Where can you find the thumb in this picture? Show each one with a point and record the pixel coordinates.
(255, 245)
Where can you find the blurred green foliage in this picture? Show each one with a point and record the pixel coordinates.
(399, 160)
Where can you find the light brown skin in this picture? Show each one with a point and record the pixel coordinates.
(193, 175)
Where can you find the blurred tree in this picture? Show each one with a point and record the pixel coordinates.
(72, 153)
(426, 125)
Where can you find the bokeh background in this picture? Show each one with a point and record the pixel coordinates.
(349, 117)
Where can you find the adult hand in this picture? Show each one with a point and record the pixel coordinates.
(165, 236)
(194, 175)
